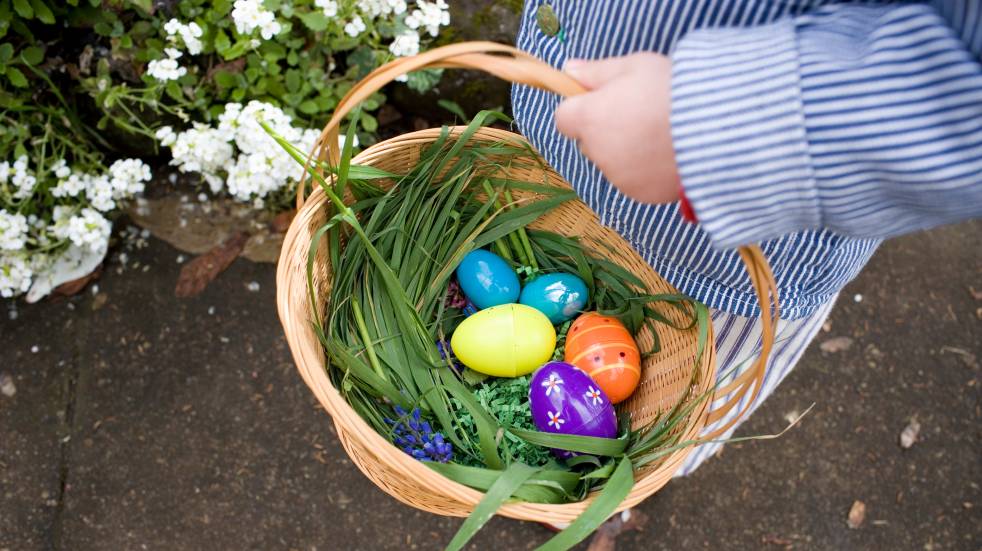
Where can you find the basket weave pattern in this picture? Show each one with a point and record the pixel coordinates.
(665, 376)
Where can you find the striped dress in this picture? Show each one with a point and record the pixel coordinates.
(816, 128)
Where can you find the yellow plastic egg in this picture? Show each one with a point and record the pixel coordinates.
(505, 341)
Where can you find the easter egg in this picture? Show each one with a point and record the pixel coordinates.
(560, 296)
(487, 280)
(605, 349)
(504, 341)
(565, 400)
(469, 309)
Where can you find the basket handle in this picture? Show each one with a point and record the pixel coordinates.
(514, 65)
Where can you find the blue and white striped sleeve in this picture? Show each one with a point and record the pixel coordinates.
(863, 120)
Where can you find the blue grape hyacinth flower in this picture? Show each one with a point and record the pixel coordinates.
(417, 438)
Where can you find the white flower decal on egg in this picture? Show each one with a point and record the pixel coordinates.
(552, 383)
(555, 421)
(593, 395)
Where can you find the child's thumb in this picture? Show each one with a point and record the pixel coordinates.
(570, 116)
(594, 74)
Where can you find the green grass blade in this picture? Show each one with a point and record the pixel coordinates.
(614, 492)
(499, 492)
(584, 444)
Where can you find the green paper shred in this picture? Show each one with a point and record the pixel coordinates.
(507, 401)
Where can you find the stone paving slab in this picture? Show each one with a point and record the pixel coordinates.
(38, 354)
(188, 427)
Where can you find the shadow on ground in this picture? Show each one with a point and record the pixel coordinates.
(141, 421)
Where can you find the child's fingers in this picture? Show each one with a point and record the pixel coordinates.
(594, 74)
(571, 116)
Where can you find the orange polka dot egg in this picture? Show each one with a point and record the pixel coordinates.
(605, 349)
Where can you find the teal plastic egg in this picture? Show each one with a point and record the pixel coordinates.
(560, 296)
(487, 280)
(504, 341)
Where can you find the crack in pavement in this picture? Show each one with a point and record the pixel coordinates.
(65, 441)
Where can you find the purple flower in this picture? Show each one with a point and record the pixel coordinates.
(417, 438)
(455, 296)
(445, 351)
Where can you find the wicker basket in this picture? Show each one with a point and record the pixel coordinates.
(665, 376)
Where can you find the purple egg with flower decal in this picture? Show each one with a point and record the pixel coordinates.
(565, 400)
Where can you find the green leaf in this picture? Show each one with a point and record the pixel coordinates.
(6, 52)
(222, 43)
(102, 28)
(508, 482)
(423, 80)
(174, 91)
(363, 60)
(140, 30)
(292, 57)
(308, 107)
(16, 77)
(21, 28)
(315, 20)
(453, 107)
(224, 79)
(273, 49)
(604, 505)
(240, 47)
(583, 444)
(369, 123)
(145, 6)
(220, 8)
(43, 12)
(24, 9)
(293, 80)
(366, 172)
(32, 55)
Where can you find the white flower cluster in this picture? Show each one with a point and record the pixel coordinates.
(167, 68)
(36, 273)
(253, 164)
(198, 149)
(19, 177)
(376, 8)
(39, 251)
(430, 15)
(249, 15)
(405, 44)
(13, 231)
(126, 178)
(87, 229)
(15, 275)
(190, 34)
(355, 27)
(330, 7)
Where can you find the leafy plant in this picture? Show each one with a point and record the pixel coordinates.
(86, 82)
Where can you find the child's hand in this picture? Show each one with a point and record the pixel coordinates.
(622, 123)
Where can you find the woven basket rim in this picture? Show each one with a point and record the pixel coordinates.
(295, 315)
